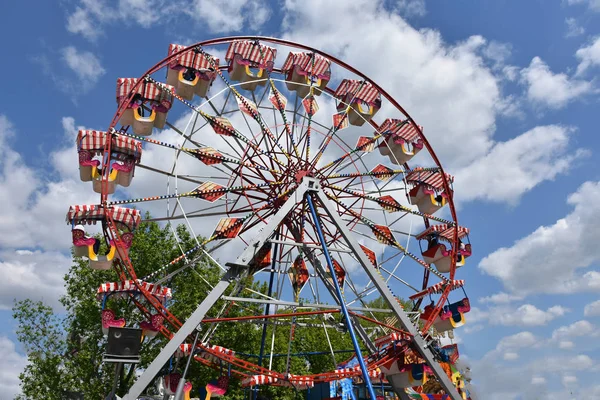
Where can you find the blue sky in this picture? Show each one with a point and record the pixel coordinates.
(523, 76)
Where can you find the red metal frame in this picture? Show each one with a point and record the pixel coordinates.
(125, 267)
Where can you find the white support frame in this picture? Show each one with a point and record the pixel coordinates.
(240, 268)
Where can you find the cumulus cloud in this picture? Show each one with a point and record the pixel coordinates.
(11, 364)
(454, 91)
(588, 56)
(547, 89)
(446, 88)
(500, 298)
(581, 328)
(524, 315)
(528, 315)
(32, 234)
(593, 5)
(90, 18)
(592, 309)
(85, 64)
(519, 266)
(518, 340)
(537, 155)
(75, 73)
(573, 28)
(411, 8)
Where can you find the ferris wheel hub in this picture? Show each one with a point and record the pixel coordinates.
(301, 174)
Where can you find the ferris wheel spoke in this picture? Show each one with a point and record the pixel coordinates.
(390, 240)
(333, 130)
(255, 115)
(364, 146)
(219, 125)
(389, 204)
(383, 174)
(279, 104)
(211, 191)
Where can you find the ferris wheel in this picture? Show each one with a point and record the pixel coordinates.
(292, 167)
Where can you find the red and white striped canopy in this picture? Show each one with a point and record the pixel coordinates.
(322, 66)
(438, 288)
(258, 380)
(90, 214)
(148, 90)
(219, 349)
(298, 382)
(445, 232)
(129, 286)
(185, 348)
(95, 141)
(250, 51)
(192, 58)
(432, 179)
(367, 92)
(401, 128)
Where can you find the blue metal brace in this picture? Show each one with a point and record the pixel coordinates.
(349, 324)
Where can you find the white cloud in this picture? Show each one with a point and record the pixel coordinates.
(573, 28)
(33, 230)
(85, 64)
(500, 298)
(588, 56)
(517, 341)
(411, 8)
(577, 329)
(524, 315)
(566, 345)
(538, 380)
(569, 380)
(36, 275)
(511, 356)
(76, 73)
(593, 5)
(547, 89)
(11, 364)
(230, 16)
(519, 266)
(446, 88)
(89, 18)
(535, 156)
(498, 53)
(592, 309)
(527, 315)
(454, 91)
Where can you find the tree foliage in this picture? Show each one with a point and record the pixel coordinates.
(65, 349)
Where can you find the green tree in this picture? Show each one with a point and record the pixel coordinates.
(65, 350)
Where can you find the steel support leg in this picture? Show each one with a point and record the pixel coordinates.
(237, 269)
(321, 272)
(338, 291)
(186, 329)
(389, 297)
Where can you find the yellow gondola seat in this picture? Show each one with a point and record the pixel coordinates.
(249, 62)
(149, 106)
(428, 192)
(410, 375)
(191, 72)
(306, 70)
(152, 327)
(125, 152)
(437, 253)
(359, 99)
(401, 141)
